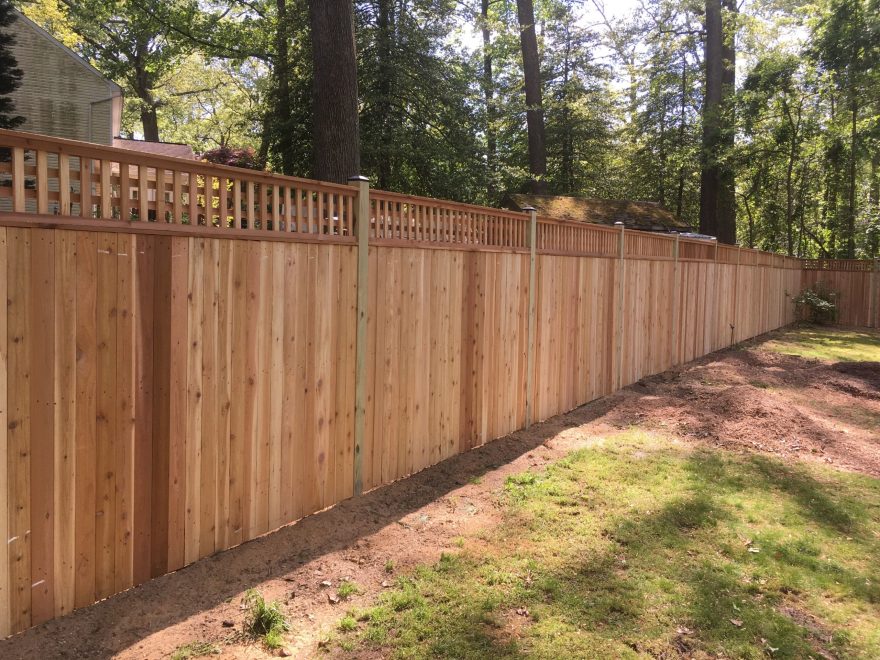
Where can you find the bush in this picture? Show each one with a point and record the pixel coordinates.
(817, 304)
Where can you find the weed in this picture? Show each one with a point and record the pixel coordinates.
(389, 566)
(265, 620)
(347, 589)
(347, 624)
(195, 650)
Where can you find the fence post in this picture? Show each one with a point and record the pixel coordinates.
(620, 294)
(675, 299)
(530, 345)
(874, 288)
(362, 231)
(735, 294)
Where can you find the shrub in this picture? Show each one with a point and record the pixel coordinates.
(818, 304)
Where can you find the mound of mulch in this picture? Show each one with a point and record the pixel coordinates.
(760, 400)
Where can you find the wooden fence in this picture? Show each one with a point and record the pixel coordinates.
(856, 283)
(191, 355)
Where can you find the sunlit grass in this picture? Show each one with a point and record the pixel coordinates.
(649, 547)
(827, 344)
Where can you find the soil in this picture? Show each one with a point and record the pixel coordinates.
(741, 399)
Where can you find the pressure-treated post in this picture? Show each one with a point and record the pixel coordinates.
(362, 231)
(675, 299)
(530, 344)
(873, 302)
(620, 294)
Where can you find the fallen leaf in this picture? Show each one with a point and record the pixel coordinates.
(333, 598)
(326, 583)
(754, 549)
(737, 622)
(684, 630)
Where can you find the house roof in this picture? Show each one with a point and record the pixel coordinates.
(115, 89)
(647, 216)
(174, 149)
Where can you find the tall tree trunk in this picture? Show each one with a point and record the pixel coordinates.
(534, 104)
(851, 211)
(717, 181)
(491, 110)
(662, 157)
(283, 108)
(384, 86)
(566, 168)
(682, 124)
(335, 91)
(149, 121)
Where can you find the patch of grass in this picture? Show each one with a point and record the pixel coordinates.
(389, 566)
(827, 344)
(648, 547)
(195, 650)
(347, 624)
(347, 589)
(265, 621)
(476, 480)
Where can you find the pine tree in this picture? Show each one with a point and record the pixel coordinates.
(10, 74)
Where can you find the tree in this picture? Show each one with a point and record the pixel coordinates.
(534, 104)
(717, 187)
(10, 74)
(846, 47)
(335, 92)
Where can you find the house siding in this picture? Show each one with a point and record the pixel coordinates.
(59, 95)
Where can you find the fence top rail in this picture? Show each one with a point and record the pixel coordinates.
(387, 195)
(76, 148)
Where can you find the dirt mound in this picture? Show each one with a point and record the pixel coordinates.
(760, 400)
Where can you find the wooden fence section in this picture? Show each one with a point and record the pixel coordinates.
(857, 284)
(153, 390)
(180, 369)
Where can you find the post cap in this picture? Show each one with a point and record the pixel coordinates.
(359, 177)
(618, 224)
(528, 209)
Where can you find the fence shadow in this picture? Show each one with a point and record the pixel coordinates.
(120, 622)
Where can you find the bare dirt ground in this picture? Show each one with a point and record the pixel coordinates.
(741, 399)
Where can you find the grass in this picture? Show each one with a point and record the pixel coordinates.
(827, 344)
(645, 546)
(265, 621)
(347, 589)
(195, 650)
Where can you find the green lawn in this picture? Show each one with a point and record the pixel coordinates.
(827, 344)
(645, 546)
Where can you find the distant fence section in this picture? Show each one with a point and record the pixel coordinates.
(193, 355)
(857, 284)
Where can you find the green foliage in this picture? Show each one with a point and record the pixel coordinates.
(818, 304)
(10, 74)
(265, 620)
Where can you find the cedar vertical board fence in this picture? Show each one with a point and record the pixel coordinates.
(193, 355)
